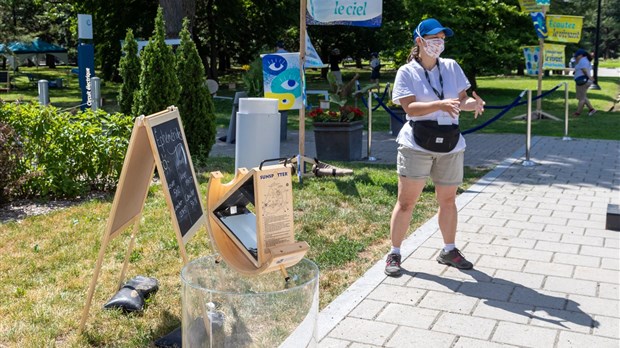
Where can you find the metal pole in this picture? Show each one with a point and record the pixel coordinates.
(370, 158)
(528, 135)
(96, 91)
(44, 96)
(596, 44)
(566, 137)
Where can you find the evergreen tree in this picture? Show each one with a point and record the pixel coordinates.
(195, 103)
(129, 69)
(159, 85)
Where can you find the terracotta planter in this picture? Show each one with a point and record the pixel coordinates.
(395, 125)
(338, 141)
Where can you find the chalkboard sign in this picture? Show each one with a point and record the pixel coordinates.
(176, 170)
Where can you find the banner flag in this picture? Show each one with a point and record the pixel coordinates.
(540, 25)
(282, 79)
(564, 28)
(344, 12)
(554, 58)
(530, 6)
(312, 58)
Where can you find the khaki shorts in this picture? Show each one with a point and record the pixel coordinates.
(445, 170)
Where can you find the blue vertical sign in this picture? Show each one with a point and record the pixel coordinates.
(86, 66)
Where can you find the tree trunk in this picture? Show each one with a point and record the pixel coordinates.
(212, 44)
(50, 61)
(174, 12)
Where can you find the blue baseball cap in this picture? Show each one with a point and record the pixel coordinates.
(580, 52)
(431, 26)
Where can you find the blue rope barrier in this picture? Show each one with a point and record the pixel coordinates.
(496, 117)
(505, 109)
(525, 102)
(382, 97)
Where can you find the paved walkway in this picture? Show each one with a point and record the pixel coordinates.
(546, 270)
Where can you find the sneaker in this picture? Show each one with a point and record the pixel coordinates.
(592, 112)
(575, 114)
(454, 258)
(392, 265)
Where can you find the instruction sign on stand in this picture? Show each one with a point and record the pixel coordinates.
(157, 140)
(251, 220)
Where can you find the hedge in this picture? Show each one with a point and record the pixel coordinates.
(62, 154)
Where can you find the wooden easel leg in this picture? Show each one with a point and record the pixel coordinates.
(132, 243)
(284, 273)
(93, 283)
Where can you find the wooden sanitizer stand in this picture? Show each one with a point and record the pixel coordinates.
(156, 140)
(251, 220)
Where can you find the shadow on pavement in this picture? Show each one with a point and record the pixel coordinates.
(514, 298)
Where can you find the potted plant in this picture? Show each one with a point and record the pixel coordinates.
(338, 134)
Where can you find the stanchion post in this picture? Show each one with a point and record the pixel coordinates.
(96, 92)
(566, 137)
(528, 135)
(44, 97)
(370, 158)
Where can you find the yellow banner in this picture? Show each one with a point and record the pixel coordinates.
(564, 28)
(530, 6)
(554, 58)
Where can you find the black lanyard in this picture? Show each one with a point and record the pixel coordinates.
(438, 94)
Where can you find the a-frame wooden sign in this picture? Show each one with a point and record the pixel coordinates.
(156, 140)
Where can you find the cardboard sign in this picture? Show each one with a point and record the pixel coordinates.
(251, 220)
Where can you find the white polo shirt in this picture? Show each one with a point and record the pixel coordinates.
(411, 81)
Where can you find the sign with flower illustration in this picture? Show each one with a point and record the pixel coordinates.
(282, 79)
(346, 113)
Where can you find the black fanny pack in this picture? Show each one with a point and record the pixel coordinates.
(435, 137)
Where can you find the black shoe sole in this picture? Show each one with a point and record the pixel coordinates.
(394, 275)
(453, 265)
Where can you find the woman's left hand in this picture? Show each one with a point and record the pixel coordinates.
(479, 106)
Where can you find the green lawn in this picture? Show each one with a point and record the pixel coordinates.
(47, 261)
(496, 91)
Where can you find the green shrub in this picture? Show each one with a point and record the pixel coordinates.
(195, 103)
(159, 85)
(129, 69)
(253, 79)
(10, 154)
(66, 155)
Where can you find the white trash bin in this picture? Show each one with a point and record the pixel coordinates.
(258, 132)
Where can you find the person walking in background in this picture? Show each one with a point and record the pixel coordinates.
(583, 81)
(433, 92)
(334, 63)
(280, 47)
(375, 66)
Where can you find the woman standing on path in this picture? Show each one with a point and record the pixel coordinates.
(432, 91)
(583, 81)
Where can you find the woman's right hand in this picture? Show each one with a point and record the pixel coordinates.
(451, 106)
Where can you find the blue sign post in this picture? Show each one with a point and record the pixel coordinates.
(86, 67)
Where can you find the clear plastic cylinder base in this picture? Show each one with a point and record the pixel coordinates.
(222, 308)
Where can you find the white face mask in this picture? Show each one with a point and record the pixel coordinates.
(433, 47)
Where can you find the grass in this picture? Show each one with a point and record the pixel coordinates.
(496, 91)
(609, 63)
(46, 262)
